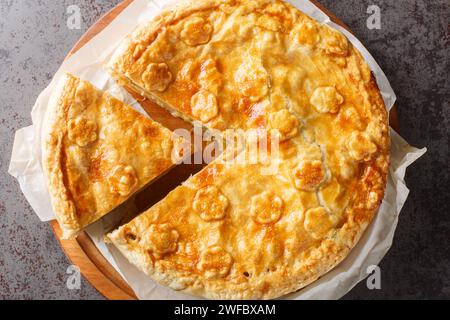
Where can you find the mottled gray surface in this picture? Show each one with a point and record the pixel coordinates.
(413, 49)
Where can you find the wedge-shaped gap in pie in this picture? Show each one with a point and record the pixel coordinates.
(161, 187)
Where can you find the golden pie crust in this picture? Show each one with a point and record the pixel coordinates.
(231, 232)
(97, 152)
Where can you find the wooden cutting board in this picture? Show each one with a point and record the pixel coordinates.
(82, 252)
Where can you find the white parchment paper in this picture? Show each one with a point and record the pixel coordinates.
(88, 64)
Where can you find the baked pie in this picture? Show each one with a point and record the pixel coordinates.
(97, 152)
(231, 232)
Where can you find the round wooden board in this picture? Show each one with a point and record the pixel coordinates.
(82, 252)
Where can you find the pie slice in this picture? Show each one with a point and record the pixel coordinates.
(97, 152)
(232, 232)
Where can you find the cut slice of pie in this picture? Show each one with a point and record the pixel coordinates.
(231, 232)
(97, 152)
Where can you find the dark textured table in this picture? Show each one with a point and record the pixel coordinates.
(413, 48)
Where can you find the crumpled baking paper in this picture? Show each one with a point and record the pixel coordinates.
(88, 63)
